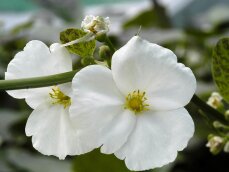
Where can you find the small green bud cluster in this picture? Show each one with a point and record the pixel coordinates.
(219, 142)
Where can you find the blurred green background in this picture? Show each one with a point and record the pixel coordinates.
(190, 28)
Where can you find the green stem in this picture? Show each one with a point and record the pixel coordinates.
(206, 108)
(36, 82)
(109, 43)
(61, 78)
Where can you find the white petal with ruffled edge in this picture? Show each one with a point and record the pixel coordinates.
(144, 66)
(156, 139)
(97, 105)
(37, 60)
(53, 133)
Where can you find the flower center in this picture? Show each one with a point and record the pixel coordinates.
(135, 101)
(92, 27)
(59, 97)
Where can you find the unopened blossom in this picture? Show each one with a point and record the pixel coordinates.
(215, 144)
(95, 24)
(52, 131)
(226, 114)
(215, 100)
(226, 147)
(136, 109)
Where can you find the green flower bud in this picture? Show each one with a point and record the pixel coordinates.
(215, 144)
(105, 52)
(87, 61)
(226, 147)
(221, 127)
(226, 114)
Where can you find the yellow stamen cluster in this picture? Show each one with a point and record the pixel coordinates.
(59, 97)
(135, 101)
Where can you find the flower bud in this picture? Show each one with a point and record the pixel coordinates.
(87, 61)
(95, 24)
(226, 147)
(216, 144)
(215, 100)
(220, 127)
(226, 114)
(105, 52)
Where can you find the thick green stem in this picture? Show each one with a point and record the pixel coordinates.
(61, 78)
(206, 108)
(36, 82)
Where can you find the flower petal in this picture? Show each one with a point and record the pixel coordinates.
(37, 96)
(140, 65)
(134, 63)
(66, 88)
(37, 60)
(97, 106)
(53, 133)
(96, 82)
(156, 139)
(115, 133)
(173, 89)
(61, 59)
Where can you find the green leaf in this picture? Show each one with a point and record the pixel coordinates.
(220, 67)
(83, 49)
(97, 162)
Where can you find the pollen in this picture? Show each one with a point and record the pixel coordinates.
(58, 97)
(136, 102)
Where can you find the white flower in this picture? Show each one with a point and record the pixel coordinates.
(95, 24)
(136, 109)
(215, 100)
(52, 131)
